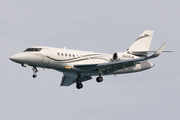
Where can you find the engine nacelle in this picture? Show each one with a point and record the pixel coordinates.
(123, 56)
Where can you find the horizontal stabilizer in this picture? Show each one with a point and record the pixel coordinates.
(145, 52)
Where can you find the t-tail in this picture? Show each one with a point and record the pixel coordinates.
(142, 44)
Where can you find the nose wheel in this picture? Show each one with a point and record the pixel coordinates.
(34, 72)
(34, 76)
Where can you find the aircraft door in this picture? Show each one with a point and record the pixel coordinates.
(46, 55)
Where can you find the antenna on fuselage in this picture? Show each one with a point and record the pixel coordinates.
(65, 47)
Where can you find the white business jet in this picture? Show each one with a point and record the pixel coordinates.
(79, 66)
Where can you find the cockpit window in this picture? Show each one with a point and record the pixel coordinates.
(33, 50)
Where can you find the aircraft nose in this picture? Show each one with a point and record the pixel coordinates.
(16, 58)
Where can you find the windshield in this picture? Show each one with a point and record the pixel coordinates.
(33, 50)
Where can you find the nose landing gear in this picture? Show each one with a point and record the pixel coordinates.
(34, 71)
(34, 76)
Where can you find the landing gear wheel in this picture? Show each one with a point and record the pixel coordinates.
(79, 85)
(99, 79)
(34, 76)
(34, 71)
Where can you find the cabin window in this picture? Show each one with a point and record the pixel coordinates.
(65, 54)
(73, 55)
(61, 54)
(58, 54)
(69, 55)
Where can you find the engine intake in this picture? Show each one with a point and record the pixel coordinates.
(115, 56)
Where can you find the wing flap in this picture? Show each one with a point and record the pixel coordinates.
(69, 79)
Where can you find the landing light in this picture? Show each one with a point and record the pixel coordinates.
(67, 67)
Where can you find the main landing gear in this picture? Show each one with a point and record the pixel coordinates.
(34, 71)
(79, 85)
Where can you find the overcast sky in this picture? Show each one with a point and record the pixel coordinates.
(91, 25)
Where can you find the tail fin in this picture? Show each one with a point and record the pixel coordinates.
(142, 43)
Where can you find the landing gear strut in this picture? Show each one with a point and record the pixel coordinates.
(79, 85)
(34, 71)
(99, 79)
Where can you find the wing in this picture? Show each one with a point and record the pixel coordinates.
(113, 66)
(88, 67)
(69, 79)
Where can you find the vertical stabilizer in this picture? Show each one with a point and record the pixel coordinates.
(143, 42)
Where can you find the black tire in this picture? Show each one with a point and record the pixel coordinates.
(79, 86)
(99, 79)
(34, 76)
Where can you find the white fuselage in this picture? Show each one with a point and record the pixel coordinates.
(79, 66)
(64, 60)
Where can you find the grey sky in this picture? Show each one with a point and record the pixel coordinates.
(93, 25)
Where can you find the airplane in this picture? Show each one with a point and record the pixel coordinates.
(79, 66)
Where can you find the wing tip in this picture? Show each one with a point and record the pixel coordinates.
(159, 51)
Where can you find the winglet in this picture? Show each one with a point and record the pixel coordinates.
(158, 52)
